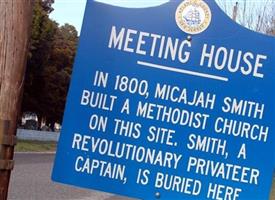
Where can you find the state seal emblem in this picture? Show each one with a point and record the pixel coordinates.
(193, 16)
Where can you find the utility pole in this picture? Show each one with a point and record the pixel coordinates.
(235, 11)
(15, 26)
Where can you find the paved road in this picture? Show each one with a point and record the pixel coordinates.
(31, 181)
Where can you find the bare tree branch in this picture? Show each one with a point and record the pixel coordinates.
(255, 15)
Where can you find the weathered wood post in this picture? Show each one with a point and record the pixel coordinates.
(15, 22)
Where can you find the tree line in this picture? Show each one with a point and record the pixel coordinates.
(258, 16)
(49, 65)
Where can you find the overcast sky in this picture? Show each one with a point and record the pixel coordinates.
(69, 11)
(72, 11)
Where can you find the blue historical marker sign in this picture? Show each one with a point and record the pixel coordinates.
(174, 101)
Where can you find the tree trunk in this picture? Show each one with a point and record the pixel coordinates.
(15, 22)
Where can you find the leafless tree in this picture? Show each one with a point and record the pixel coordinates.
(257, 15)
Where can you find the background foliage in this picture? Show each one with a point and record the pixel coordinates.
(49, 65)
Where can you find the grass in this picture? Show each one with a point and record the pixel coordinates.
(273, 190)
(35, 146)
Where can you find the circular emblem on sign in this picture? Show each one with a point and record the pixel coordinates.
(193, 16)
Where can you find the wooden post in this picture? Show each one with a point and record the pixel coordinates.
(15, 25)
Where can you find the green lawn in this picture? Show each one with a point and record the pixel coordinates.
(273, 191)
(35, 146)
